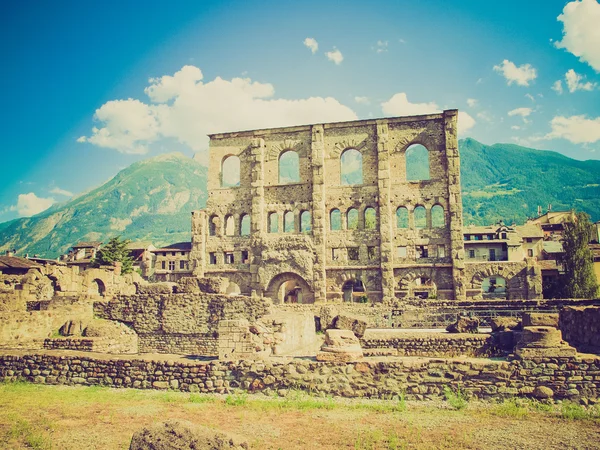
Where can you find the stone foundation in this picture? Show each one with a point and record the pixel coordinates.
(428, 344)
(418, 378)
(580, 327)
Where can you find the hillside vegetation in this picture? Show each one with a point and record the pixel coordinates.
(152, 199)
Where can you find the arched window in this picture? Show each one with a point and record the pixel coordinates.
(229, 226)
(213, 223)
(417, 163)
(230, 172)
(402, 217)
(245, 225)
(351, 167)
(352, 219)
(288, 222)
(305, 222)
(289, 167)
(370, 218)
(437, 217)
(273, 222)
(335, 220)
(420, 217)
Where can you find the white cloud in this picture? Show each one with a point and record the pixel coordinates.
(398, 105)
(576, 129)
(557, 87)
(523, 112)
(382, 46)
(521, 75)
(581, 33)
(402, 41)
(184, 108)
(472, 102)
(484, 115)
(530, 97)
(574, 83)
(362, 100)
(335, 55)
(515, 127)
(312, 44)
(59, 191)
(30, 204)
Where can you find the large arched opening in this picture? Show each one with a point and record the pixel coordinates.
(290, 288)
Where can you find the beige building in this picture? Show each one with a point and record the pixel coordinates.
(143, 257)
(503, 243)
(172, 262)
(82, 254)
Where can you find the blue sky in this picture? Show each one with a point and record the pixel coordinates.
(90, 87)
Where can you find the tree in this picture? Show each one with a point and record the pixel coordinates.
(579, 278)
(115, 251)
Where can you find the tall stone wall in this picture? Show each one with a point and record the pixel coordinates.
(580, 327)
(180, 323)
(278, 255)
(559, 378)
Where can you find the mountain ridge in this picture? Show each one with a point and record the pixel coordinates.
(152, 199)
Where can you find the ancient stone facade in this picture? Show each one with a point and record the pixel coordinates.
(345, 219)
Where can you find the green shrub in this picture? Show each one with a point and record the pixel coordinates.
(455, 398)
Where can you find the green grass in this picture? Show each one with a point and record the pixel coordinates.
(455, 398)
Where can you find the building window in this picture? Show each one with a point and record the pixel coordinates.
(351, 167)
(371, 252)
(182, 265)
(471, 254)
(370, 218)
(245, 225)
(245, 259)
(490, 237)
(335, 254)
(163, 265)
(503, 235)
(353, 253)
(417, 163)
(173, 253)
(171, 265)
(467, 237)
(212, 225)
(530, 252)
(441, 251)
(164, 253)
(229, 226)
(422, 251)
(529, 240)
(229, 258)
(230, 171)
(212, 258)
(352, 219)
(182, 253)
(273, 223)
(437, 217)
(420, 217)
(335, 220)
(477, 237)
(289, 167)
(402, 217)
(401, 251)
(305, 222)
(288, 222)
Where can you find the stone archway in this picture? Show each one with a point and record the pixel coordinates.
(419, 285)
(289, 287)
(97, 287)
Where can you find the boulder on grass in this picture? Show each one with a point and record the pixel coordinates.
(464, 325)
(183, 435)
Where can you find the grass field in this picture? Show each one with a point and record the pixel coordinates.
(63, 417)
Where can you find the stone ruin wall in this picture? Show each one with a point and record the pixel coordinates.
(179, 323)
(580, 327)
(274, 258)
(574, 378)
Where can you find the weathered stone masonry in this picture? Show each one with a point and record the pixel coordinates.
(571, 378)
(314, 262)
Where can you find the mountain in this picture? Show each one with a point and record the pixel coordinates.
(508, 182)
(150, 200)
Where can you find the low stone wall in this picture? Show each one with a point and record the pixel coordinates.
(418, 378)
(185, 324)
(123, 344)
(580, 327)
(429, 344)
